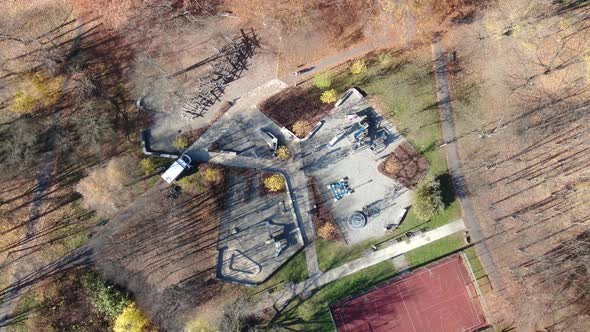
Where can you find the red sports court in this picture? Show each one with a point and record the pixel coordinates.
(439, 297)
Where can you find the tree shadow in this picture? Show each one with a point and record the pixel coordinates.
(447, 189)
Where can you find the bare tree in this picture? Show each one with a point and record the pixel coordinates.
(238, 317)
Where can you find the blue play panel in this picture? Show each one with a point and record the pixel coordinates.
(340, 189)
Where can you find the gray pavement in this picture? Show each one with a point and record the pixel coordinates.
(247, 254)
(450, 140)
(311, 259)
(237, 141)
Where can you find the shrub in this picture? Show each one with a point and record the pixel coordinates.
(283, 153)
(181, 142)
(104, 189)
(237, 316)
(385, 58)
(105, 297)
(37, 90)
(301, 128)
(23, 103)
(131, 320)
(427, 198)
(199, 325)
(329, 96)
(358, 67)
(322, 81)
(274, 183)
(46, 88)
(392, 166)
(93, 128)
(211, 174)
(327, 231)
(20, 146)
(148, 166)
(192, 184)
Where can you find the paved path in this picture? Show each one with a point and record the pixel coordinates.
(311, 258)
(281, 298)
(400, 264)
(330, 62)
(450, 139)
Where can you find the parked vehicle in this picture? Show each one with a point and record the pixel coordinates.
(176, 169)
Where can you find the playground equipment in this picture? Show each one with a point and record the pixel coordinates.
(362, 132)
(272, 240)
(228, 65)
(271, 140)
(340, 189)
(357, 220)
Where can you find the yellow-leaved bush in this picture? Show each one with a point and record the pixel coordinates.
(131, 320)
(329, 96)
(36, 91)
(274, 183)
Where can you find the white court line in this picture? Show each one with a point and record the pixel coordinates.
(407, 311)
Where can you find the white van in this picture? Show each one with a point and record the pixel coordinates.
(174, 171)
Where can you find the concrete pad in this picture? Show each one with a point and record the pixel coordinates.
(246, 253)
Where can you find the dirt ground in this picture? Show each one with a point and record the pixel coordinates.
(411, 166)
(61, 304)
(164, 252)
(520, 95)
(286, 107)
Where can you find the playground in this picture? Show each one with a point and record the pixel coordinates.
(439, 297)
(343, 158)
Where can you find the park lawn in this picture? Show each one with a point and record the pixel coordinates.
(435, 250)
(332, 254)
(295, 271)
(404, 92)
(313, 314)
(479, 271)
(476, 266)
